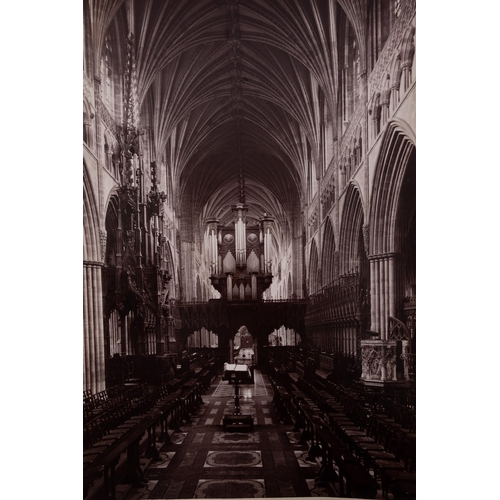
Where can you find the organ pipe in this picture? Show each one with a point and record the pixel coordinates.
(240, 234)
(266, 226)
(213, 244)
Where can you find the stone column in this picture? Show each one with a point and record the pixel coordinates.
(375, 289)
(384, 295)
(406, 76)
(392, 285)
(394, 96)
(384, 112)
(86, 335)
(93, 326)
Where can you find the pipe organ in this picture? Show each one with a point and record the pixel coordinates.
(240, 256)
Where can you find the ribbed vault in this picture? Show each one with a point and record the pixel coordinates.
(232, 90)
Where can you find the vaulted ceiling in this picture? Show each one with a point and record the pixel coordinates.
(235, 91)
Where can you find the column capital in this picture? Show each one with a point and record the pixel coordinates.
(383, 256)
(92, 263)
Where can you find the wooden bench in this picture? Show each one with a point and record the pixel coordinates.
(359, 482)
(122, 420)
(105, 458)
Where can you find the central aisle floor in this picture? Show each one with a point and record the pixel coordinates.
(205, 462)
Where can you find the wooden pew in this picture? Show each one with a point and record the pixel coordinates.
(102, 458)
(105, 457)
(359, 482)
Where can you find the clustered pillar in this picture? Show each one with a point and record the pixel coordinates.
(379, 356)
(383, 291)
(94, 378)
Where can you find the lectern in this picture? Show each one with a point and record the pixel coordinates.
(237, 374)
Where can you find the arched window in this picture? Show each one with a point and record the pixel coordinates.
(87, 125)
(313, 182)
(86, 128)
(355, 73)
(107, 75)
(349, 62)
(381, 17)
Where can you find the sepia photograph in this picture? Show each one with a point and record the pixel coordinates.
(249, 249)
(241, 302)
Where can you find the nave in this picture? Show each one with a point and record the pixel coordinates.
(206, 462)
(291, 451)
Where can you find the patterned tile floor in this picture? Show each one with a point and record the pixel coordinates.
(203, 461)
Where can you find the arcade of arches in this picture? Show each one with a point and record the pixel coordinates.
(301, 115)
(249, 165)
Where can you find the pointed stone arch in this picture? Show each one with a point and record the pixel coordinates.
(328, 252)
(397, 147)
(351, 245)
(357, 17)
(392, 226)
(91, 240)
(103, 21)
(93, 325)
(408, 44)
(395, 70)
(314, 281)
(112, 316)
